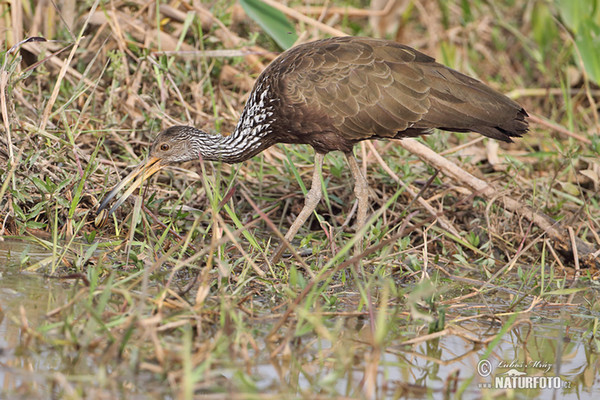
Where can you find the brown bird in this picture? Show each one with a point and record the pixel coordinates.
(332, 94)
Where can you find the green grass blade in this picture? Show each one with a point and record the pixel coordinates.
(273, 21)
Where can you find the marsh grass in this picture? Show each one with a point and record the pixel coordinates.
(176, 297)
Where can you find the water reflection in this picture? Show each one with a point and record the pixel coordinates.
(544, 345)
(542, 357)
(25, 299)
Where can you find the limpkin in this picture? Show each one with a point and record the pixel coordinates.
(332, 94)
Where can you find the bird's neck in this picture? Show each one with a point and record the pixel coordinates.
(250, 136)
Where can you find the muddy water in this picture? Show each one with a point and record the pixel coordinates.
(43, 369)
(549, 362)
(24, 301)
(544, 349)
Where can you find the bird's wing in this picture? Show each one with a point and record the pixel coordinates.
(367, 87)
(374, 88)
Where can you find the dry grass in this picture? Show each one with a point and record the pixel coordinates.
(185, 295)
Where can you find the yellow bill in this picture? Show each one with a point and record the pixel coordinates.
(142, 172)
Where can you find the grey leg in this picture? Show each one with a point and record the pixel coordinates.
(313, 197)
(361, 191)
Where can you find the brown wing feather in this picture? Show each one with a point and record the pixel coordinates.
(461, 103)
(348, 89)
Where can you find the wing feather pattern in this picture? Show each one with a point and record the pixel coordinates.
(350, 89)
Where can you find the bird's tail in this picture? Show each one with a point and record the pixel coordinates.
(462, 104)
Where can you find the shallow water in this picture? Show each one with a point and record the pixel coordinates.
(550, 363)
(546, 348)
(25, 301)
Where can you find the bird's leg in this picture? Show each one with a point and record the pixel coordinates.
(313, 197)
(361, 191)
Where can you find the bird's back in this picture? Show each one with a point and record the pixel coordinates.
(335, 92)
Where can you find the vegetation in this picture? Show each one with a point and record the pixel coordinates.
(175, 296)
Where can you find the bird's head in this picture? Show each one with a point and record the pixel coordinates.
(178, 144)
(173, 145)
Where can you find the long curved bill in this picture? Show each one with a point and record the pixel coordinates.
(142, 172)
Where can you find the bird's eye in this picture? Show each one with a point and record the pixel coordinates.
(164, 147)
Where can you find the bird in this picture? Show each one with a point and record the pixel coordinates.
(332, 94)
